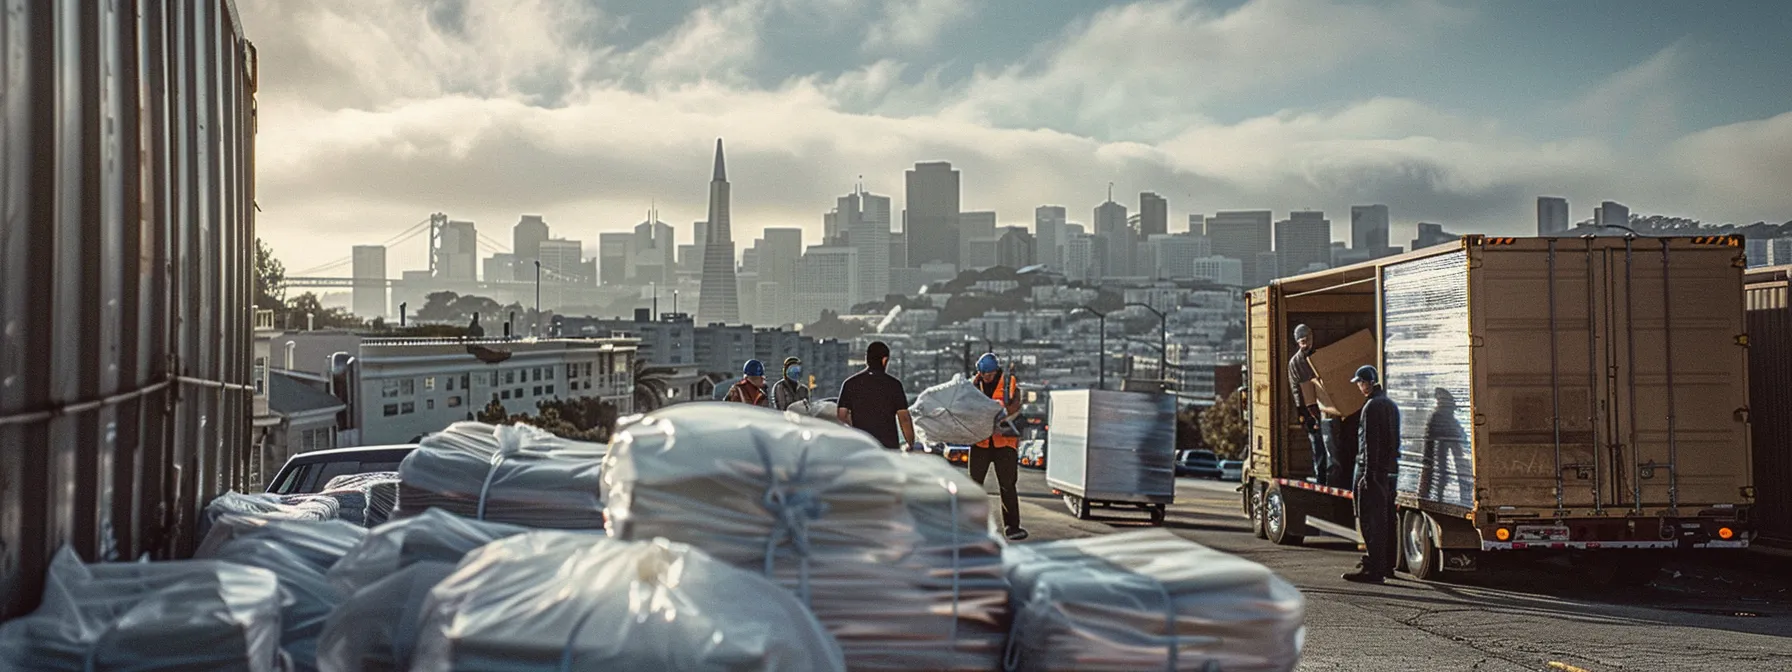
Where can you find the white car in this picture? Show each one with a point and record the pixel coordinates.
(1231, 470)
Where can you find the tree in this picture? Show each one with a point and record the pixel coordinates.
(831, 326)
(1188, 429)
(305, 304)
(1223, 427)
(439, 307)
(270, 278)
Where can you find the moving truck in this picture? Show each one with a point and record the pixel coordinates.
(1769, 302)
(1556, 394)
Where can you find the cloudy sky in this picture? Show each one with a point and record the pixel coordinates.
(375, 113)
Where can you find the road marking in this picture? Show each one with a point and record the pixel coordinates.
(1564, 667)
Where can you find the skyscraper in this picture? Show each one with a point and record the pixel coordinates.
(1197, 224)
(1154, 215)
(613, 250)
(369, 297)
(561, 261)
(457, 251)
(1368, 227)
(718, 299)
(863, 221)
(976, 240)
(526, 238)
(932, 219)
(1014, 247)
(1552, 215)
(1611, 214)
(1048, 235)
(1110, 226)
(1240, 235)
(1302, 241)
(654, 255)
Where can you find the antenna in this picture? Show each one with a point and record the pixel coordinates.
(1110, 192)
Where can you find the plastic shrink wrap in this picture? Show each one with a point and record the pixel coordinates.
(1112, 444)
(893, 552)
(128, 616)
(298, 553)
(821, 409)
(511, 473)
(387, 579)
(265, 505)
(364, 499)
(569, 601)
(956, 412)
(1148, 600)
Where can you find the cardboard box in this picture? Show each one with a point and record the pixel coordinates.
(1336, 364)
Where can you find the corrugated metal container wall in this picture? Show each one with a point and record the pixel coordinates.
(126, 254)
(1770, 404)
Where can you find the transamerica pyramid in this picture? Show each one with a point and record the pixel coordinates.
(717, 299)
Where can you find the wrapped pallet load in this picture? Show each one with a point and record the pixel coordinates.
(386, 580)
(298, 553)
(364, 499)
(1148, 600)
(180, 615)
(892, 552)
(511, 473)
(569, 601)
(956, 412)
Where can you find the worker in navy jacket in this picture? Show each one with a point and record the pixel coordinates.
(1378, 459)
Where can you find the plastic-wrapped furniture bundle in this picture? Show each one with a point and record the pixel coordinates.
(265, 505)
(893, 552)
(1112, 445)
(365, 499)
(511, 473)
(387, 579)
(1148, 600)
(823, 409)
(956, 412)
(180, 615)
(299, 553)
(569, 601)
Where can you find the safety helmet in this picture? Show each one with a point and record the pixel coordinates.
(987, 363)
(1366, 374)
(753, 368)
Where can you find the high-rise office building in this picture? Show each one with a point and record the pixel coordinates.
(654, 255)
(1173, 255)
(613, 251)
(564, 258)
(862, 221)
(1433, 234)
(457, 251)
(1552, 215)
(976, 240)
(500, 267)
(1197, 224)
(1015, 248)
(526, 238)
(1080, 263)
(1220, 270)
(1303, 242)
(1611, 214)
(718, 299)
(780, 250)
(898, 251)
(932, 214)
(1112, 229)
(1368, 227)
(1154, 215)
(825, 280)
(1268, 269)
(1241, 235)
(1048, 235)
(369, 296)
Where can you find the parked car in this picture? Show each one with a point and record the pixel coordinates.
(957, 454)
(1032, 453)
(1231, 470)
(1198, 463)
(307, 473)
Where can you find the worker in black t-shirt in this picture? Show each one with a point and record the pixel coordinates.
(874, 401)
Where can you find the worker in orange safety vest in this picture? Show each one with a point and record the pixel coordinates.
(1002, 449)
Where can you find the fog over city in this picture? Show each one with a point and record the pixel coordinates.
(375, 113)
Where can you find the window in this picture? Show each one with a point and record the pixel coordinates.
(407, 387)
(466, 382)
(550, 390)
(429, 404)
(391, 410)
(621, 365)
(389, 389)
(537, 373)
(510, 377)
(505, 394)
(307, 441)
(550, 371)
(407, 407)
(572, 370)
(261, 374)
(429, 383)
(451, 382)
(454, 402)
(537, 391)
(587, 368)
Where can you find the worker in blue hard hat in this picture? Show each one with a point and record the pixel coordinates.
(751, 389)
(1378, 459)
(1003, 448)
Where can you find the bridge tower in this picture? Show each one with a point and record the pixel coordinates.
(438, 222)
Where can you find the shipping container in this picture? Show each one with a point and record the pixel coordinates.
(1770, 397)
(126, 257)
(1555, 394)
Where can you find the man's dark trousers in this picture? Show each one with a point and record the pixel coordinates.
(1007, 463)
(1375, 518)
(1316, 438)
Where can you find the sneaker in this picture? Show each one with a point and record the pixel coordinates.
(1017, 534)
(1362, 576)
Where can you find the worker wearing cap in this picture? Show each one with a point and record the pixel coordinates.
(1302, 380)
(751, 388)
(790, 388)
(1378, 458)
(1003, 448)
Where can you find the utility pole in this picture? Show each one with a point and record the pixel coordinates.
(1101, 320)
(538, 298)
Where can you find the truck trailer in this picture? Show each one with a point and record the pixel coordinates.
(1581, 395)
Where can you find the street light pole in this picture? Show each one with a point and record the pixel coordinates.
(1101, 360)
(1163, 341)
(538, 298)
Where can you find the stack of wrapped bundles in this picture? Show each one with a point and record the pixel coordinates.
(181, 615)
(265, 505)
(893, 552)
(956, 412)
(513, 474)
(386, 580)
(569, 601)
(364, 499)
(298, 553)
(1148, 600)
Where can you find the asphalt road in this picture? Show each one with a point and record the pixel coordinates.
(1733, 613)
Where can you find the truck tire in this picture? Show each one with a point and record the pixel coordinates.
(1285, 523)
(1418, 549)
(1253, 509)
(1157, 515)
(1078, 506)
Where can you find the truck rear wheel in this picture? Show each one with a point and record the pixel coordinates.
(1253, 509)
(1285, 524)
(1418, 549)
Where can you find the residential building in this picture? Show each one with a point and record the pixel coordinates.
(370, 291)
(307, 416)
(1757, 252)
(718, 297)
(1015, 248)
(976, 240)
(1048, 234)
(1779, 251)
(613, 253)
(1552, 215)
(1154, 215)
(526, 239)
(1242, 235)
(931, 217)
(1303, 241)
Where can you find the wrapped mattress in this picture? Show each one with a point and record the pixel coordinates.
(129, 616)
(387, 578)
(956, 412)
(266, 505)
(569, 601)
(298, 553)
(364, 499)
(893, 552)
(511, 473)
(1148, 600)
